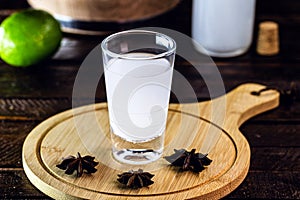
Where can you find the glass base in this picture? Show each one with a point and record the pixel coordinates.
(222, 54)
(137, 152)
(136, 156)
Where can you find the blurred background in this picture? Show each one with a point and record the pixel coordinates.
(30, 95)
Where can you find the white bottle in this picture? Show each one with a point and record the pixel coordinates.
(223, 28)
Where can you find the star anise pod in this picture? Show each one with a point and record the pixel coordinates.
(136, 179)
(189, 160)
(80, 164)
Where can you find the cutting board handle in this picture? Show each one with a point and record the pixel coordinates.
(230, 111)
(242, 105)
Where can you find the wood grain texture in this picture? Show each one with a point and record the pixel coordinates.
(282, 135)
(272, 183)
(90, 17)
(276, 159)
(102, 10)
(31, 109)
(267, 145)
(15, 185)
(275, 132)
(231, 154)
(12, 136)
(279, 185)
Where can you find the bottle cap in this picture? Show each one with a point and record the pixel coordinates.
(268, 39)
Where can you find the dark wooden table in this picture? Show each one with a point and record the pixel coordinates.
(30, 95)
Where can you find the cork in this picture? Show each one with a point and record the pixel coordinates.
(268, 39)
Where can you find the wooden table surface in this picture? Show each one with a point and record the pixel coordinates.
(30, 95)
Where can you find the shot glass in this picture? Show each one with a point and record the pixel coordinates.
(138, 69)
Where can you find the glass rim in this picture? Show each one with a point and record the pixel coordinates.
(169, 51)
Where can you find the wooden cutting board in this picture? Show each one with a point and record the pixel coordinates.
(86, 130)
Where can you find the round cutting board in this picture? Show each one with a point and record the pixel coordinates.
(195, 125)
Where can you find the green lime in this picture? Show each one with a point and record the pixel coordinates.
(28, 37)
